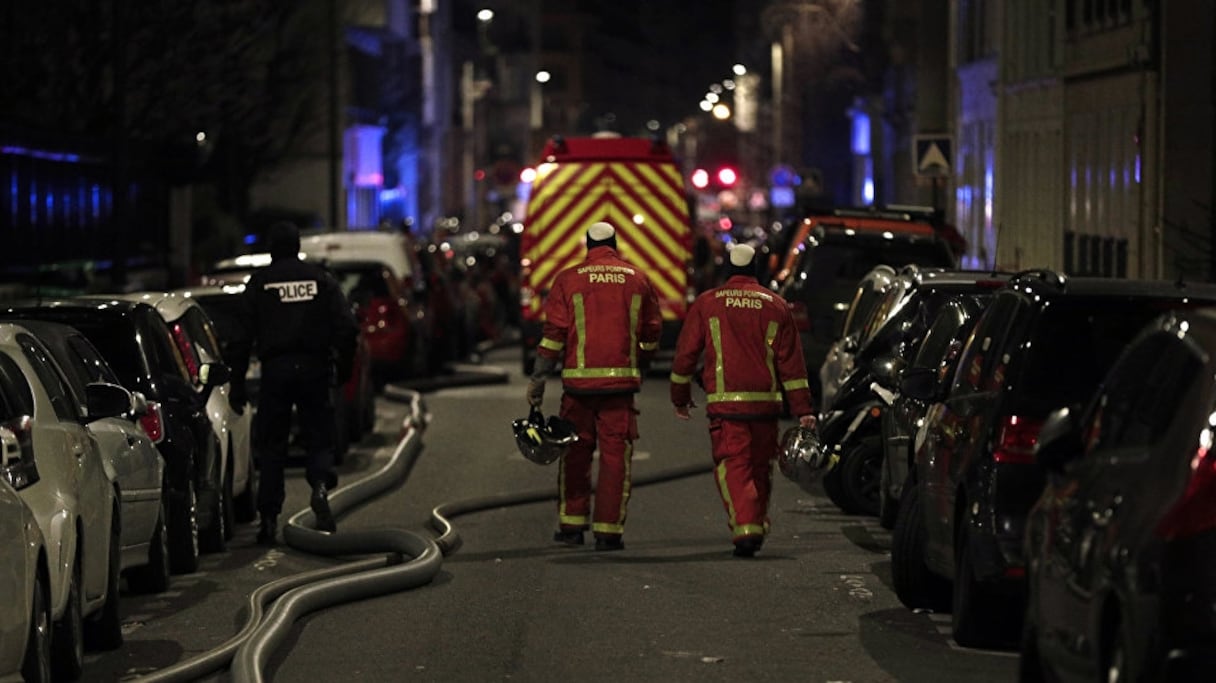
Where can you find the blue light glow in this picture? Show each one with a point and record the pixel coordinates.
(861, 132)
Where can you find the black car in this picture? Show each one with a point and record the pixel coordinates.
(1044, 342)
(831, 254)
(1121, 545)
(139, 346)
(855, 425)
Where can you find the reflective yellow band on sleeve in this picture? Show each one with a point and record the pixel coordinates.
(680, 379)
(552, 345)
(793, 384)
(649, 346)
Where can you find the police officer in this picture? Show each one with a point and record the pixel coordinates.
(601, 321)
(300, 325)
(753, 356)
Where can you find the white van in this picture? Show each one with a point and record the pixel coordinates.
(391, 248)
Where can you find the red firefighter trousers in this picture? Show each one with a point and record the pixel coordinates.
(743, 453)
(610, 422)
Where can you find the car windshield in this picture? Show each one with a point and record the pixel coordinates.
(852, 261)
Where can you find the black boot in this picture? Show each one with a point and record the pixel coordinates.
(320, 508)
(266, 532)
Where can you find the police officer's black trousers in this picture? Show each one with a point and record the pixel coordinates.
(302, 382)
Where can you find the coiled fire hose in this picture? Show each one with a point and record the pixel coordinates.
(298, 595)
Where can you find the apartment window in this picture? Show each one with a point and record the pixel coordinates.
(1094, 16)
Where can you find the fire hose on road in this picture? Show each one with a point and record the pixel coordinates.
(410, 560)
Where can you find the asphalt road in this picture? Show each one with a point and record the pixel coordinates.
(507, 604)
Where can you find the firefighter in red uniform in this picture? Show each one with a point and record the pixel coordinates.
(602, 321)
(752, 357)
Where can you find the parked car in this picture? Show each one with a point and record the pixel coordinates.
(935, 357)
(398, 344)
(198, 342)
(61, 477)
(838, 361)
(1043, 343)
(131, 460)
(830, 256)
(1121, 545)
(25, 613)
(140, 348)
(854, 426)
(355, 399)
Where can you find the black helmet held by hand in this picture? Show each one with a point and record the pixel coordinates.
(540, 441)
(803, 457)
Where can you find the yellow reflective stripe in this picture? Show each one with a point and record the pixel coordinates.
(552, 345)
(602, 372)
(724, 491)
(572, 520)
(680, 379)
(605, 528)
(793, 384)
(715, 334)
(635, 307)
(769, 335)
(580, 324)
(731, 396)
(649, 346)
(749, 530)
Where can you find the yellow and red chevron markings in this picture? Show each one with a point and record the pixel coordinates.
(644, 200)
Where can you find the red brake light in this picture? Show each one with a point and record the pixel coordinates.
(1015, 440)
(1195, 511)
(183, 345)
(153, 422)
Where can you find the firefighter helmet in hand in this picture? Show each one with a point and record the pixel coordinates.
(543, 441)
(804, 458)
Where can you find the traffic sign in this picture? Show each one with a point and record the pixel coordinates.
(932, 154)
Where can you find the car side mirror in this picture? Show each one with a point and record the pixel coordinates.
(214, 374)
(139, 405)
(919, 383)
(1059, 441)
(17, 465)
(103, 400)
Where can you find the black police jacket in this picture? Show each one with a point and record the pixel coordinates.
(293, 307)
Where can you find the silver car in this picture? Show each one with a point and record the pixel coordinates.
(64, 483)
(131, 459)
(25, 613)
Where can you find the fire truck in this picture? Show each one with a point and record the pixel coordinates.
(633, 183)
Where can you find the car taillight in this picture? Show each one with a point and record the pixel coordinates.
(1015, 440)
(183, 345)
(801, 320)
(1195, 511)
(153, 422)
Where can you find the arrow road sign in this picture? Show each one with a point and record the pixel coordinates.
(932, 154)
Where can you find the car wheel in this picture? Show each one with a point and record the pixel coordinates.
(183, 529)
(36, 664)
(979, 616)
(154, 576)
(214, 539)
(915, 586)
(105, 630)
(67, 641)
(861, 476)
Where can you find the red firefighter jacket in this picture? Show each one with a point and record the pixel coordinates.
(752, 353)
(599, 317)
